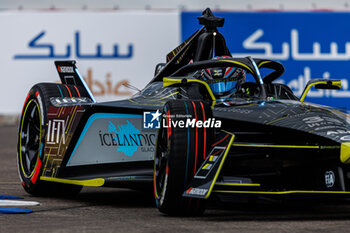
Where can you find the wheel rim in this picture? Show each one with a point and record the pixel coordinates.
(161, 160)
(30, 139)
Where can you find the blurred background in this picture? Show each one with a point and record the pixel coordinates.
(118, 42)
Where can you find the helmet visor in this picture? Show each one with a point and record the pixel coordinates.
(223, 87)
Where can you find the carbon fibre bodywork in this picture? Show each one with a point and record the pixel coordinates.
(270, 142)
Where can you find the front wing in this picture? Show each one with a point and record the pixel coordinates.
(217, 175)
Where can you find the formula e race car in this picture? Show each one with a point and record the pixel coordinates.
(194, 131)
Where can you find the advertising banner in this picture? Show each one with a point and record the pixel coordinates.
(309, 44)
(111, 49)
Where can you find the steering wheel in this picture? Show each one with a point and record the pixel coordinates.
(250, 89)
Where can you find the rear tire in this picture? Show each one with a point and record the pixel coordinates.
(179, 153)
(31, 138)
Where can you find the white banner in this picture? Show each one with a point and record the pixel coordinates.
(111, 48)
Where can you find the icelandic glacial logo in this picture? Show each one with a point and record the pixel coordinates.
(123, 135)
(151, 120)
(329, 178)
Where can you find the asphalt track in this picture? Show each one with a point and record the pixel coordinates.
(122, 210)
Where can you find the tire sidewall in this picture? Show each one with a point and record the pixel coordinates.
(169, 200)
(35, 94)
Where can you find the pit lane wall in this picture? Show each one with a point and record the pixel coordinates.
(116, 47)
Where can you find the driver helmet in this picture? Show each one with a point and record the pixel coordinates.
(223, 80)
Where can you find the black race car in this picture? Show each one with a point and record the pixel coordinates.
(181, 136)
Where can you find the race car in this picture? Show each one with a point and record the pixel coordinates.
(207, 124)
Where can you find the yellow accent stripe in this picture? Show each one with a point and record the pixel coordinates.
(92, 183)
(237, 184)
(171, 81)
(274, 121)
(211, 158)
(59, 114)
(302, 98)
(277, 146)
(47, 160)
(283, 192)
(262, 63)
(227, 132)
(70, 121)
(338, 83)
(20, 139)
(206, 85)
(133, 101)
(168, 95)
(345, 152)
(241, 64)
(220, 166)
(205, 166)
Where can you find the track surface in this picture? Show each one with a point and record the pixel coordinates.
(122, 210)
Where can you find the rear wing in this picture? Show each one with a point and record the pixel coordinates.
(69, 74)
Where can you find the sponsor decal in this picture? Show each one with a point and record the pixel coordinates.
(56, 132)
(345, 138)
(65, 69)
(235, 110)
(72, 49)
(66, 101)
(329, 178)
(197, 191)
(151, 120)
(108, 86)
(127, 138)
(339, 131)
(321, 121)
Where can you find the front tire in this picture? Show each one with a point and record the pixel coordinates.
(31, 138)
(180, 151)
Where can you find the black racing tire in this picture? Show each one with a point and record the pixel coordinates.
(31, 139)
(179, 154)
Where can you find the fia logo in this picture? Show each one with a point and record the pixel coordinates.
(329, 178)
(56, 132)
(151, 120)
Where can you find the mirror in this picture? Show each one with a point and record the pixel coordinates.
(329, 84)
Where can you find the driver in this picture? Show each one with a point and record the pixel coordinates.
(224, 81)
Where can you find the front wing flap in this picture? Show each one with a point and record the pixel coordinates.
(204, 180)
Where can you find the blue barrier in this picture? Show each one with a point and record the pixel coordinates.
(309, 44)
(6, 210)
